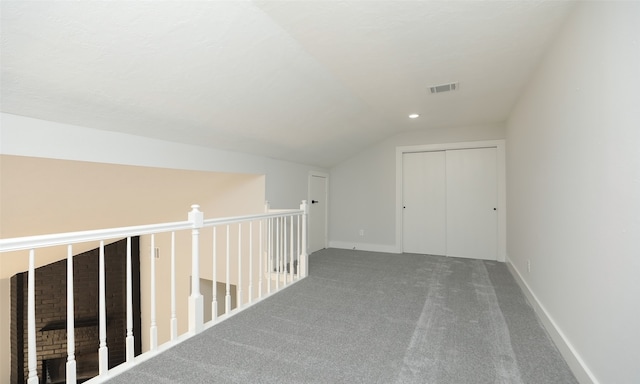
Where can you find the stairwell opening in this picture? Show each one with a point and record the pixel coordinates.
(51, 314)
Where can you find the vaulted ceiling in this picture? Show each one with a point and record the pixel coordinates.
(309, 81)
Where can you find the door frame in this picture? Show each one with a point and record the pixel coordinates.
(326, 206)
(501, 172)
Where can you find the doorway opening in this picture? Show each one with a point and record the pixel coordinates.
(318, 208)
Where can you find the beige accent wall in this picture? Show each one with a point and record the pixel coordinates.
(41, 196)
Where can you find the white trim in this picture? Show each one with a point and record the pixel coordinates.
(579, 368)
(502, 198)
(363, 246)
(326, 206)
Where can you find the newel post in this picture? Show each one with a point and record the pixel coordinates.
(196, 301)
(304, 257)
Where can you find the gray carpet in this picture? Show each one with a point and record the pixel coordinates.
(364, 317)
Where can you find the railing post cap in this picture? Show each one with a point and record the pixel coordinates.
(196, 217)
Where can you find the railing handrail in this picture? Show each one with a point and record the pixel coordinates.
(65, 238)
(240, 219)
(50, 240)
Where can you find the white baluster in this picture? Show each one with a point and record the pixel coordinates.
(278, 223)
(103, 352)
(31, 321)
(239, 285)
(298, 249)
(282, 242)
(174, 317)
(71, 340)
(291, 269)
(227, 297)
(250, 262)
(303, 260)
(153, 328)
(284, 250)
(269, 252)
(261, 260)
(214, 303)
(196, 301)
(130, 344)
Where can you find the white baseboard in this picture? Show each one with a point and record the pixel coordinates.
(363, 246)
(580, 370)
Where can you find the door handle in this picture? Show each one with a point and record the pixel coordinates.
(314, 201)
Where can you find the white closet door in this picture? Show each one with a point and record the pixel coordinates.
(472, 220)
(424, 202)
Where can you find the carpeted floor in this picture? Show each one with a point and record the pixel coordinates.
(364, 317)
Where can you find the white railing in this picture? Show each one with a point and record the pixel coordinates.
(277, 238)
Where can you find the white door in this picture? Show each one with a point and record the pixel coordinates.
(472, 219)
(317, 212)
(424, 203)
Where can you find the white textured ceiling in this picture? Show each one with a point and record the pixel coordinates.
(308, 81)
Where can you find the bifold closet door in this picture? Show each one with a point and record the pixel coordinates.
(472, 219)
(424, 203)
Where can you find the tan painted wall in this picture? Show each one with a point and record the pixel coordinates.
(40, 196)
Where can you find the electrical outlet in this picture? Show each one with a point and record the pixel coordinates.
(361, 232)
(528, 265)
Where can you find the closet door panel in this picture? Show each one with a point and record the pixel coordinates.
(424, 202)
(471, 202)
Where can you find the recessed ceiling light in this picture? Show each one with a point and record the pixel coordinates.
(414, 116)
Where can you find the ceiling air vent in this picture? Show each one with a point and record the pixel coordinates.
(444, 87)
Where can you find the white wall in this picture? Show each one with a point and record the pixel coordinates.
(362, 190)
(573, 189)
(286, 182)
